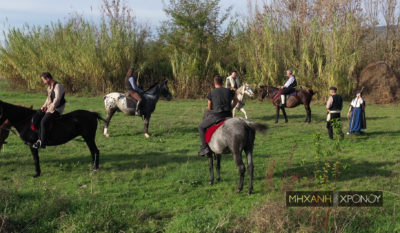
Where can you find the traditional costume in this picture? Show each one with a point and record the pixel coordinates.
(357, 122)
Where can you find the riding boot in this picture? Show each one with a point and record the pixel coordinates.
(137, 111)
(204, 150)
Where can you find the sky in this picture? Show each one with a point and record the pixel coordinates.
(16, 13)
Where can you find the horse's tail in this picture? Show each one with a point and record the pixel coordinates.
(99, 117)
(257, 126)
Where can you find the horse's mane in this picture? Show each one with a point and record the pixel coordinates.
(152, 86)
(19, 109)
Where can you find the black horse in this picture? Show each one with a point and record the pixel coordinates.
(303, 96)
(63, 129)
(115, 101)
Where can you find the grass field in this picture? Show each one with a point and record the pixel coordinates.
(161, 185)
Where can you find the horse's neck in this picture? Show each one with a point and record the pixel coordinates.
(240, 93)
(272, 92)
(240, 96)
(18, 115)
(154, 92)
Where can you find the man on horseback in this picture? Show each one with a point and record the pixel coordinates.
(53, 107)
(220, 102)
(333, 108)
(133, 90)
(232, 82)
(288, 88)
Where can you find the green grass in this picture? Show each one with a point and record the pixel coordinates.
(159, 184)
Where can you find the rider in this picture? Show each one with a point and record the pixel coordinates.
(289, 87)
(232, 82)
(53, 107)
(133, 90)
(220, 106)
(334, 106)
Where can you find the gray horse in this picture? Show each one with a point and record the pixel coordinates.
(234, 136)
(120, 102)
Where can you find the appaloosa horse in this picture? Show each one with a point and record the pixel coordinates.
(64, 128)
(240, 93)
(303, 96)
(120, 102)
(235, 136)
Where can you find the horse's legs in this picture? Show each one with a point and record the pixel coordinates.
(146, 125)
(237, 155)
(284, 114)
(277, 114)
(110, 114)
(211, 168)
(90, 142)
(218, 166)
(245, 114)
(308, 110)
(35, 154)
(250, 166)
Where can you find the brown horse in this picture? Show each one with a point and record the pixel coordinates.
(303, 96)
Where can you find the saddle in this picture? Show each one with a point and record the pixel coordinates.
(132, 102)
(286, 96)
(37, 118)
(211, 130)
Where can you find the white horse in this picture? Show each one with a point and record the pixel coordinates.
(240, 93)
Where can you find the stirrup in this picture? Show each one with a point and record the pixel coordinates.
(37, 144)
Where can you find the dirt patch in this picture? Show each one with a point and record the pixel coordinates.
(381, 85)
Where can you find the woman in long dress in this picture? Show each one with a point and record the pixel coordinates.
(356, 113)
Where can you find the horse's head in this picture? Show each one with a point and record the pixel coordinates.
(164, 90)
(247, 90)
(263, 92)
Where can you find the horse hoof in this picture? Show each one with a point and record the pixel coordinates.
(211, 183)
(238, 190)
(147, 135)
(276, 122)
(250, 192)
(36, 176)
(218, 179)
(106, 135)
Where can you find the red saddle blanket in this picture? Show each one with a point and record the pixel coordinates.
(210, 131)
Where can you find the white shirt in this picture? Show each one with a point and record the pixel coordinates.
(357, 102)
(289, 82)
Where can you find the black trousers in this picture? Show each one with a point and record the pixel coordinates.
(209, 120)
(44, 125)
(288, 90)
(329, 125)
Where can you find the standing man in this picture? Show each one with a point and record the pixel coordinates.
(219, 106)
(289, 87)
(53, 107)
(232, 82)
(333, 108)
